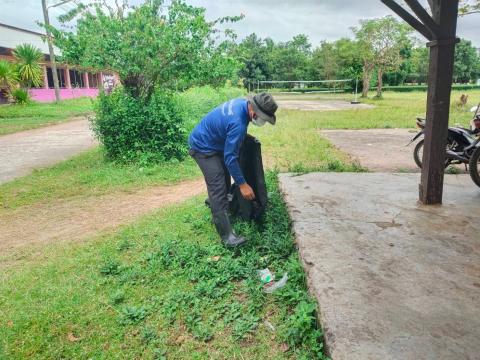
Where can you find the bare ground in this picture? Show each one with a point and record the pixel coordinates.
(78, 219)
(32, 149)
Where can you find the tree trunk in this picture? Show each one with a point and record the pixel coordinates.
(366, 81)
(50, 50)
(380, 82)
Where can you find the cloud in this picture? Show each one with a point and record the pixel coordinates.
(277, 19)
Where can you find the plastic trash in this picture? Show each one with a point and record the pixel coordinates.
(269, 325)
(266, 276)
(277, 285)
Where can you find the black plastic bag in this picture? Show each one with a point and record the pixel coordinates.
(250, 160)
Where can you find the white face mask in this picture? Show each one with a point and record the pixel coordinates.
(259, 121)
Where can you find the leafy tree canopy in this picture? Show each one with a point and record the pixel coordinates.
(151, 45)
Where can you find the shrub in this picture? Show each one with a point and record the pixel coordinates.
(20, 96)
(133, 129)
(154, 130)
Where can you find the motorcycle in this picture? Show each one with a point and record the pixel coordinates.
(463, 146)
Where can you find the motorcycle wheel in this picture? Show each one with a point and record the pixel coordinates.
(418, 152)
(474, 166)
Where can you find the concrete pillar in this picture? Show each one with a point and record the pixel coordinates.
(68, 84)
(85, 80)
(45, 77)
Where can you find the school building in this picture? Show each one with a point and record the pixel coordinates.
(74, 81)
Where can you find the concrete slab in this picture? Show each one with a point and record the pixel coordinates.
(394, 279)
(379, 150)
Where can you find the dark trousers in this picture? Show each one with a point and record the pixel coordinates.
(216, 177)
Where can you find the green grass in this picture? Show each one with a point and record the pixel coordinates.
(395, 110)
(163, 287)
(293, 145)
(90, 174)
(14, 118)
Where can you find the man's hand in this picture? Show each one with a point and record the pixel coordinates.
(247, 192)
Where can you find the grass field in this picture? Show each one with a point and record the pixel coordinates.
(164, 287)
(292, 145)
(87, 175)
(14, 118)
(395, 110)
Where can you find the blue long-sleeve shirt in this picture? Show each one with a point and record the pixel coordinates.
(223, 130)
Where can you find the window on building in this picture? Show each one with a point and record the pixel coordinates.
(76, 78)
(93, 80)
(61, 78)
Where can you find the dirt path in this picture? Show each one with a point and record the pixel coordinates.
(27, 150)
(82, 218)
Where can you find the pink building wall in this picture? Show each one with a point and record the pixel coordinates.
(48, 95)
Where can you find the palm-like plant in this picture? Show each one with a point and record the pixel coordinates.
(8, 77)
(28, 59)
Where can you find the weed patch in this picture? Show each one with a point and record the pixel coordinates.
(166, 288)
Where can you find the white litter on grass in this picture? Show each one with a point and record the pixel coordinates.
(266, 276)
(269, 325)
(277, 285)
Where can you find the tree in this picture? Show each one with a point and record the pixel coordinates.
(467, 62)
(150, 45)
(253, 54)
(324, 62)
(380, 43)
(420, 61)
(469, 7)
(290, 60)
(27, 58)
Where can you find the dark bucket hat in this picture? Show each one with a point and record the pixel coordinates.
(264, 106)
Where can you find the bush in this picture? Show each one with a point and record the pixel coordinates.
(20, 96)
(136, 130)
(133, 129)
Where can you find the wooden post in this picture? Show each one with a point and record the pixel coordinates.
(440, 29)
(442, 51)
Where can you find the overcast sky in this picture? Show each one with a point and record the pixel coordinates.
(278, 19)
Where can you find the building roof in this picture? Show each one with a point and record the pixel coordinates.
(12, 36)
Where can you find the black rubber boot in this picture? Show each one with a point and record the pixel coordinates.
(224, 229)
